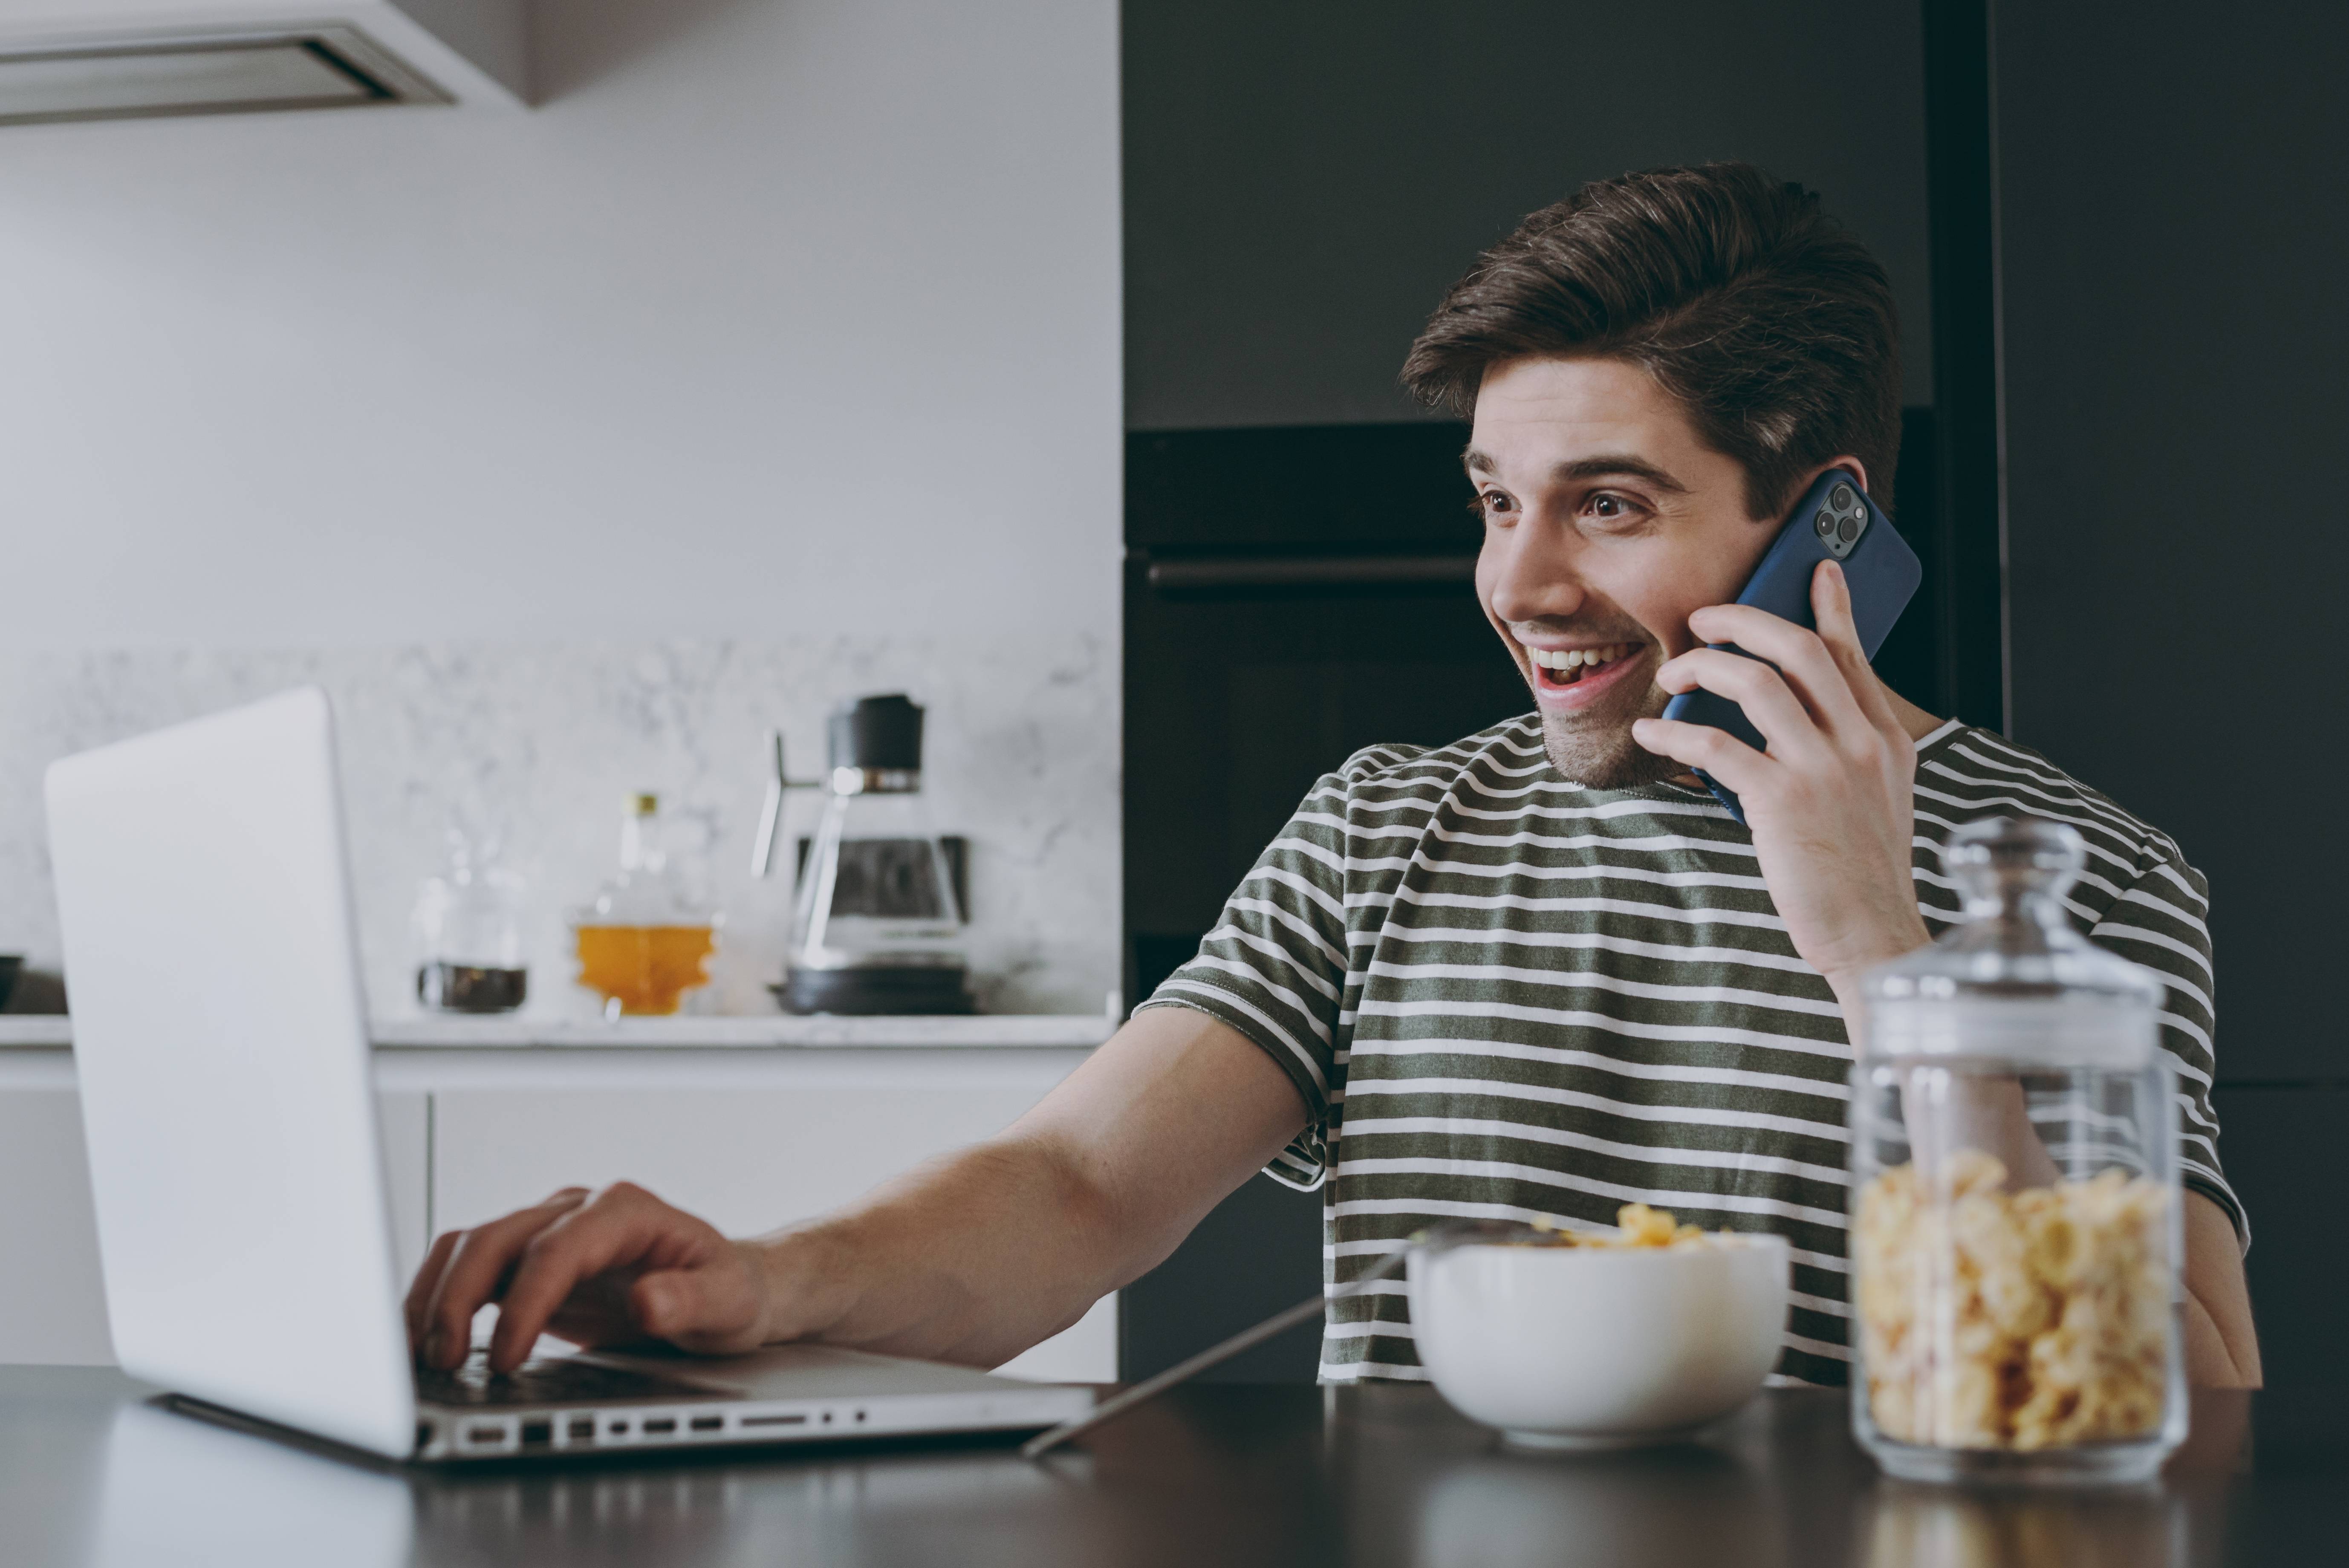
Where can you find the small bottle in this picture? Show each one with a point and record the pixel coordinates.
(468, 925)
(2016, 1237)
(645, 939)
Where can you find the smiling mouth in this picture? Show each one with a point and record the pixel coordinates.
(1558, 668)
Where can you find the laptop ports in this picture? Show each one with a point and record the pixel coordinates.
(537, 1434)
(582, 1430)
(483, 1437)
(709, 1423)
(660, 1426)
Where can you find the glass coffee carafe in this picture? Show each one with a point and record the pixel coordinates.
(877, 923)
(2016, 1235)
(645, 939)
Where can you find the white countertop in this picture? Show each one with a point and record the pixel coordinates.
(437, 1055)
(777, 1031)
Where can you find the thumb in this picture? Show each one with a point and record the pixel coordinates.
(668, 1302)
(697, 1309)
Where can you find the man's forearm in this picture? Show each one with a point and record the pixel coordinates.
(971, 1258)
(2211, 1362)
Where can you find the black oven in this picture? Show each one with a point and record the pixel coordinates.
(1291, 597)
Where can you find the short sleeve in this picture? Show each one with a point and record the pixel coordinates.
(1275, 966)
(2160, 921)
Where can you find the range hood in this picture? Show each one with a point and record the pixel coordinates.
(116, 59)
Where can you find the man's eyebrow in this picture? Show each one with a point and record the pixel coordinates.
(1605, 465)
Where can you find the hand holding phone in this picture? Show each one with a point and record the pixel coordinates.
(1835, 520)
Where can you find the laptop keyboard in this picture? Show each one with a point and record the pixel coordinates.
(552, 1380)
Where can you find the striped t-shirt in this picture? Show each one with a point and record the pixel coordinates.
(1505, 994)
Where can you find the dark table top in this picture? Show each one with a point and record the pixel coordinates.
(94, 1471)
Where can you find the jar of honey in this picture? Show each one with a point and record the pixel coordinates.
(645, 939)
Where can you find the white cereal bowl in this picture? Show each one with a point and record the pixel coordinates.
(1599, 1347)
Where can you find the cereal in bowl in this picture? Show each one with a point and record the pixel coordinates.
(1636, 1225)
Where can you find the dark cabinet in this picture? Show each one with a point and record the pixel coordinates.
(2281, 1147)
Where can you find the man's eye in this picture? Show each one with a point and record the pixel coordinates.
(1490, 503)
(1610, 506)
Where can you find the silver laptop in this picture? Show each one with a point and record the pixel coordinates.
(220, 1037)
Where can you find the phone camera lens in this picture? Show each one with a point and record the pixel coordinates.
(1840, 498)
(1849, 530)
(1827, 525)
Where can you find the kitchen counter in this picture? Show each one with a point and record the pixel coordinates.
(1289, 1477)
(430, 1054)
(772, 1031)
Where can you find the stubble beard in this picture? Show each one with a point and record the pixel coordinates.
(1596, 750)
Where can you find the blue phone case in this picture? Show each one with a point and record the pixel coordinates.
(1835, 520)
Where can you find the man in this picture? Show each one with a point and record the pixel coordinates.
(1537, 972)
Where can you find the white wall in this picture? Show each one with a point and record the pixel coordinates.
(773, 358)
(778, 317)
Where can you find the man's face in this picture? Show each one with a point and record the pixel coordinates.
(1606, 523)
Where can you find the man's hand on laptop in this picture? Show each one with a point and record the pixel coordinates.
(1831, 804)
(611, 1267)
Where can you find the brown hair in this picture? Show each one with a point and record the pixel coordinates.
(1768, 320)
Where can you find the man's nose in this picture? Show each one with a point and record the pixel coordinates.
(1529, 573)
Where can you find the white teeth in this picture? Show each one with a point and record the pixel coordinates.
(1563, 660)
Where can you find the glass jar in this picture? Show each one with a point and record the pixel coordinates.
(646, 939)
(468, 932)
(2016, 1235)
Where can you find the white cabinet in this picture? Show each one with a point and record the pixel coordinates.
(405, 1118)
(52, 1298)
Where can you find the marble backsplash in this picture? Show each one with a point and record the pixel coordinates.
(1022, 749)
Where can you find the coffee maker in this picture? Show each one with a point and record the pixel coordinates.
(878, 918)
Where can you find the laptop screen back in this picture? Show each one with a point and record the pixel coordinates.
(220, 1040)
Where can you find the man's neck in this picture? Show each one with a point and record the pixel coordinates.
(1914, 719)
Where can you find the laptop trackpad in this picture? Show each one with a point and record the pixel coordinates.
(555, 1380)
(809, 1372)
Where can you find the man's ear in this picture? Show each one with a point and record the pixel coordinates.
(1812, 478)
(1844, 461)
(1803, 489)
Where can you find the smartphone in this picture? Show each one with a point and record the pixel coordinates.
(1835, 520)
